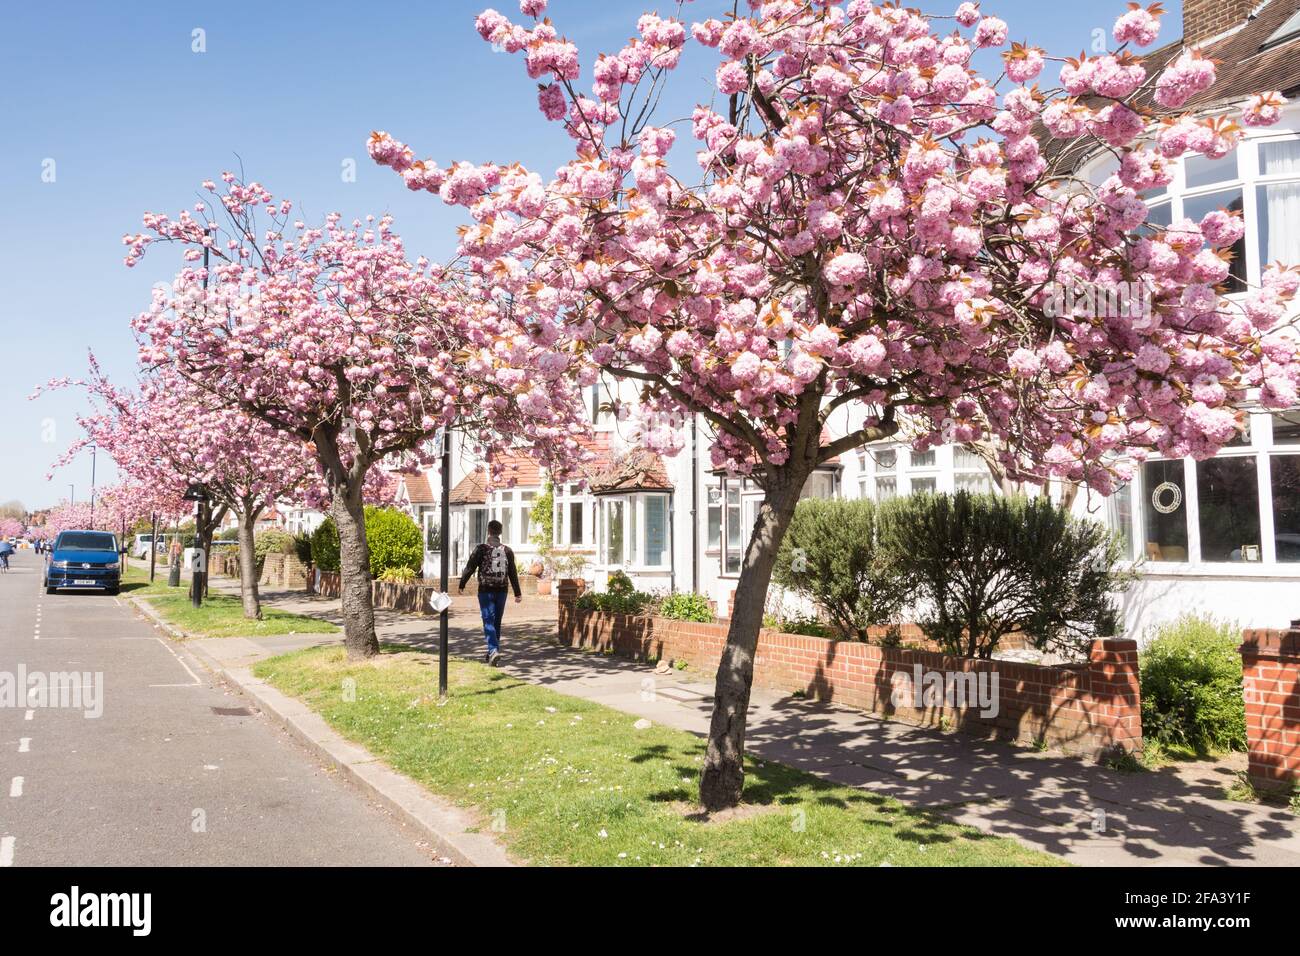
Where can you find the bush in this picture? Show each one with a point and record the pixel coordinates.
(619, 597)
(398, 575)
(686, 606)
(1191, 686)
(985, 566)
(830, 555)
(228, 534)
(302, 547)
(271, 541)
(325, 546)
(395, 541)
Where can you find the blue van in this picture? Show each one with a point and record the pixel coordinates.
(84, 560)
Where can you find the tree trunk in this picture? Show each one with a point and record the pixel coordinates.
(354, 575)
(248, 565)
(723, 776)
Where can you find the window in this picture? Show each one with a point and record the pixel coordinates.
(735, 531)
(970, 472)
(924, 486)
(1227, 492)
(1196, 207)
(1120, 505)
(569, 508)
(1285, 488)
(879, 474)
(525, 514)
(922, 459)
(820, 484)
(654, 543)
(612, 512)
(1166, 511)
(1286, 428)
(713, 505)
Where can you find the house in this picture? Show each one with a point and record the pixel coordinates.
(1221, 536)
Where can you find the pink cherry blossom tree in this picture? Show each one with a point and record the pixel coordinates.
(874, 228)
(334, 338)
(12, 528)
(171, 434)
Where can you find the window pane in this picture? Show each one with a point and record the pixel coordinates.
(1161, 214)
(1286, 428)
(975, 484)
(886, 459)
(656, 531)
(922, 459)
(613, 532)
(735, 531)
(923, 486)
(559, 523)
(1165, 511)
(1286, 506)
(1228, 496)
(524, 518)
(506, 517)
(1277, 206)
(1202, 171)
(1121, 517)
(1279, 157)
(818, 485)
(714, 506)
(964, 458)
(1198, 206)
(575, 522)
(886, 488)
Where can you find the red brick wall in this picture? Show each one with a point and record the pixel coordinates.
(1203, 19)
(1086, 708)
(1270, 670)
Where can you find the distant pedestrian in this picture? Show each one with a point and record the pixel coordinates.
(495, 564)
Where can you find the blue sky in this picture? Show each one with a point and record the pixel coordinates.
(134, 120)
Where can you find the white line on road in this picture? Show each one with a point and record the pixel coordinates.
(6, 851)
(196, 683)
(16, 787)
(24, 744)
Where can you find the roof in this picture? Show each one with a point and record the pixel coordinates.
(1244, 68)
(470, 490)
(637, 470)
(518, 469)
(417, 488)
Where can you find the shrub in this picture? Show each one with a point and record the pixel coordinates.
(271, 541)
(398, 575)
(620, 597)
(395, 541)
(985, 566)
(1191, 686)
(830, 555)
(325, 546)
(302, 547)
(805, 625)
(228, 534)
(686, 606)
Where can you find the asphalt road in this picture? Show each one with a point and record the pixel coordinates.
(173, 772)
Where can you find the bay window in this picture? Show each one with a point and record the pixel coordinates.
(1240, 507)
(570, 509)
(634, 531)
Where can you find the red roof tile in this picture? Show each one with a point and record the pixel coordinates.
(417, 489)
(470, 490)
(637, 470)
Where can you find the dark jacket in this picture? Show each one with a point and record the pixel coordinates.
(476, 560)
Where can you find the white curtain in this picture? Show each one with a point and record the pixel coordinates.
(1279, 158)
(1281, 238)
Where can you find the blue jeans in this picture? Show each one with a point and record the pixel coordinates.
(492, 605)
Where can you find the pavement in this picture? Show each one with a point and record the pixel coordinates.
(151, 761)
(1087, 814)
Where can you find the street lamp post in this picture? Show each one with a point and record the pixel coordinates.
(202, 516)
(445, 562)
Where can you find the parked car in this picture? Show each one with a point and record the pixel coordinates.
(84, 560)
(140, 546)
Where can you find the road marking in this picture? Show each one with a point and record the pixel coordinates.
(6, 851)
(24, 744)
(29, 715)
(196, 683)
(16, 787)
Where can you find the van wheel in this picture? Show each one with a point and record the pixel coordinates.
(114, 592)
(50, 590)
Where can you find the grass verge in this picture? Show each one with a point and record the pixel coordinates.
(565, 781)
(221, 615)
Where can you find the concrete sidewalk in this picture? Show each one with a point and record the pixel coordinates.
(1087, 814)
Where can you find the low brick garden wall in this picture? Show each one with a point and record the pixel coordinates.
(1091, 708)
(1270, 670)
(388, 595)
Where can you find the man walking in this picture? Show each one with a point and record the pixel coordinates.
(495, 564)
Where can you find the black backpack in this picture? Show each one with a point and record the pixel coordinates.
(494, 568)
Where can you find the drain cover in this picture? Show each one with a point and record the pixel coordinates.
(232, 711)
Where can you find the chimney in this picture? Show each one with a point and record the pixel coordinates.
(1205, 19)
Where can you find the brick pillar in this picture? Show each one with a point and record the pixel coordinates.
(569, 589)
(1114, 685)
(1270, 672)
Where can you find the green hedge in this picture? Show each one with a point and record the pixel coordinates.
(271, 541)
(393, 538)
(1191, 686)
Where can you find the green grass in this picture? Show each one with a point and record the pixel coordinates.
(561, 780)
(221, 615)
